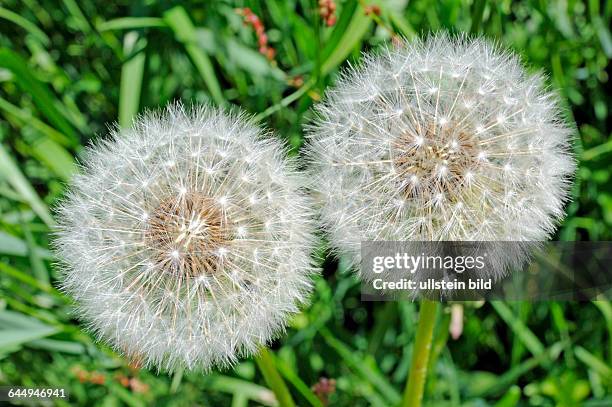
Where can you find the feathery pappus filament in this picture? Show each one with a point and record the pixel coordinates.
(444, 138)
(186, 239)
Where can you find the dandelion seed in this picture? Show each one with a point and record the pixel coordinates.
(453, 142)
(158, 263)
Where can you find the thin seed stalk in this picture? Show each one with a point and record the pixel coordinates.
(413, 393)
(266, 365)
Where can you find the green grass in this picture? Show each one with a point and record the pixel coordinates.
(68, 69)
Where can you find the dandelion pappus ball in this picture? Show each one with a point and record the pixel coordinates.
(442, 138)
(186, 239)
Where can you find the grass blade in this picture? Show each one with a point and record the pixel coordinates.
(507, 379)
(41, 95)
(603, 32)
(252, 391)
(286, 101)
(364, 369)
(16, 337)
(54, 157)
(131, 79)
(31, 281)
(268, 369)
(25, 24)
(295, 380)
(593, 362)
(77, 15)
(38, 266)
(131, 23)
(20, 329)
(14, 246)
(477, 12)
(525, 335)
(357, 28)
(10, 171)
(24, 117)
(606, 309)
(54, 345)
(178, 20)
(240, 55)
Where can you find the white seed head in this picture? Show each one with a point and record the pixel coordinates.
(448, 149)
(158, 236)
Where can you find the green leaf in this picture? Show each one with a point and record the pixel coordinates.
(131, 23)
(131, 79)
(54, 157)
(364, 369)
(240, 400)
(77, 15)
(10, 172)
(19, 329)
(25, 118)
(561, 324)
(525, 335)
(28, 279)
(41, 95)
(232, 385)
(177, 378)
(479, 382)
(54, 345)
(402, 24)
(9, 338)
(39, 269)
(511, 398)
(267, 367)
(17, 320)
(238, 54)
(14, 246)
(25, 24)
(126, 396)
(357, 28)
(593, 362)
(185, 32)
(477, 13)
(499, 383)
(287, 100)
(606, 309)
(605, 38)
(596, 151)
(295, 380)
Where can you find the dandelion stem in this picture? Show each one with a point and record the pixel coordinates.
(266, 365)
(413, 393)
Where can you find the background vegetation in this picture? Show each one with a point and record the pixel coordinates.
(68, 69)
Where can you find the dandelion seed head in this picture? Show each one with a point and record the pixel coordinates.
(473, 120)
(158, 252)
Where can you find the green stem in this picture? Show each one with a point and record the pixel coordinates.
(413, 393)
(266, 365)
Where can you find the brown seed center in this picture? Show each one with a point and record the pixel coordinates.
(187, 233)
(434, 161)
